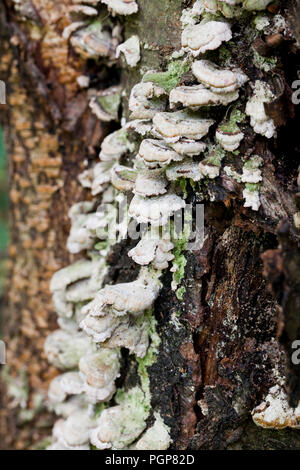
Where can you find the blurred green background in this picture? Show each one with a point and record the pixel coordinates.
(4, 232)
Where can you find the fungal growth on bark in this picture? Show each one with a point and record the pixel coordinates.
(160, 345)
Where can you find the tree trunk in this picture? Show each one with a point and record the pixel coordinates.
(226, 334)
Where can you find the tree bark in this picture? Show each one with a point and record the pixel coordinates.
(240, 311)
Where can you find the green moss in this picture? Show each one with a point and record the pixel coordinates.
(180, 293)
(149, 359)
(253, 187)
(216, 155)
(111, 103)
(99, 407)
(183, 186)
(264, 63)
(171, 78)
(43, 444)
(180, 260)
(231, 126)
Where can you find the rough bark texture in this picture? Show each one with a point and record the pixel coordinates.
(240, 312)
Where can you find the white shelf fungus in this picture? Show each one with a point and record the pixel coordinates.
(131, 413)
(123, 178)
(260, 122)
(74, 432)
(200, 38)
(105, 104)
(198, 95)
(92, 40)
(133, 297)
(156, 210)
(155, 438)
(251, 171)
(141, 102)
(131, 50)
(114, 146)
(133, 335)
(153, 248)
(209, 169)
(64, 350)
(84, 227)
(188, 147)
(122, 7)
(217, 79)
(251, 196)
(173, 126)
(229, 141)
(99, 372)
(150, 183)
(100, 328)
(275, 412)
(185, 169)
(96, 177)
(157, 152)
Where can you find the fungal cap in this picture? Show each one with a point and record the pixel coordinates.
(156, 210)
(157, 437)
(123, 178)
(157, 152)
(150, 183)
(185, 169)
(174, 126)
(200, 38)
(197, 95)
(229, 141)
(140, 103)
(131, 50)
(122, 7)
(218, 79)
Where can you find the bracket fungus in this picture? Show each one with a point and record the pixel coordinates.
(217, 79)
(84, 227)
(251, 196)
(64, 350)
(188, 147)
(203, 37)
(105, 104)
(275, 412)
(153, 248)
(123, 178)
(229, 140)
(77, 282)
(198, 95)
(93, 40)
(155, 210)
(133, 297)
(131, 413)
(157, 153)
(114, 146)
(255, 108)
(74, 432)
(99, 371)
(150, 183)
(131, 50)
(157, 437)
(141, 102)
(96, 177)
(174, 126)
(251, 171)
(185, 169)
(121, 7)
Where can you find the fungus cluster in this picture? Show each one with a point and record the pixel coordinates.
(170, 136)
